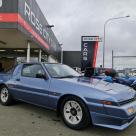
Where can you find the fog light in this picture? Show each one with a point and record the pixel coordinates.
(131, 110)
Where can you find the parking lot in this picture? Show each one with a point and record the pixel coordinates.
(27, 120)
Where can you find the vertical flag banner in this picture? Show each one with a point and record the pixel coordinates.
(89, 47)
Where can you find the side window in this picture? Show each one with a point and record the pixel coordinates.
(32, 70)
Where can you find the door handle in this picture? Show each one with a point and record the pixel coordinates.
(17, 79)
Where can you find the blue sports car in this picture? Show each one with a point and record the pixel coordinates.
(79, 100)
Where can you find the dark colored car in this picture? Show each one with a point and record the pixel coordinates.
(109, 75)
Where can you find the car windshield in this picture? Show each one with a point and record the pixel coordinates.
(61, 71)
(121, 74)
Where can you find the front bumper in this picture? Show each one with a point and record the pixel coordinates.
(112, 122)
(114, 117)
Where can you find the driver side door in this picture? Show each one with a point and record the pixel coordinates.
(31, 88)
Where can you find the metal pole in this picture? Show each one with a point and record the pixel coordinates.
(61, 46)
(28, 51)
(104, 45)
(61, 55)
(40, 55)
(104, 40)
(112, 59)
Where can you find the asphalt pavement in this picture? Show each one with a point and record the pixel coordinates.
(27, 120)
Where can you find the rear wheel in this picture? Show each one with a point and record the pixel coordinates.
(5, 96)
(75, 113)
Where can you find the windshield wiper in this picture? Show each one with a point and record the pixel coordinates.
(68, 76)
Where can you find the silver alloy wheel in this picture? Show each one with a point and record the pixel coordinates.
(73, 112)
(4, 95)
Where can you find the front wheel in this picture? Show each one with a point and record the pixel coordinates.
(5, 96)
(75, 113)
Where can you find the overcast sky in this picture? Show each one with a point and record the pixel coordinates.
(74, 18)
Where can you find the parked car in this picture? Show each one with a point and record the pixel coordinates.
(109, 75)
(126, 78)
(79, 100)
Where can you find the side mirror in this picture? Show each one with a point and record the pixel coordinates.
(43, 76)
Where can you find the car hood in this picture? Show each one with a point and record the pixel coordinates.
(118, 91)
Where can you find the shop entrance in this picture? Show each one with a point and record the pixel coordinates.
(9, 57)
(15, 48)
(6, 64)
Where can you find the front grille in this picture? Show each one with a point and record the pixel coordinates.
(127, 101)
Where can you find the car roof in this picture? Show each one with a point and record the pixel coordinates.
(29, 63)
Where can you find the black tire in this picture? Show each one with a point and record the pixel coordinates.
(9, 97)
(85, 121)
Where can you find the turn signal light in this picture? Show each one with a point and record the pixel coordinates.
(106, 102)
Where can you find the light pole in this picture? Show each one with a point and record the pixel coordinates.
(105, 24)
(112, 59)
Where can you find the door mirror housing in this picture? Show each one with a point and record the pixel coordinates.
(42, 76)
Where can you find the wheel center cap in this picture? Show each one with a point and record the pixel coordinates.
(5, 94)
(73, 111)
